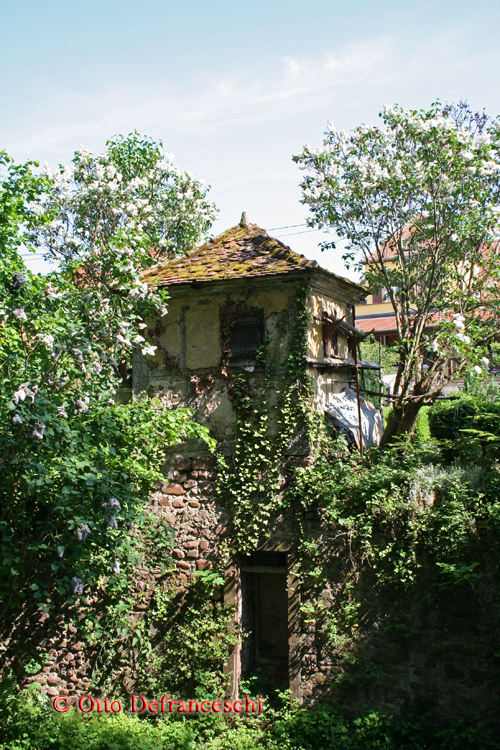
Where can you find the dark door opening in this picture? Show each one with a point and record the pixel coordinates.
(265, 618)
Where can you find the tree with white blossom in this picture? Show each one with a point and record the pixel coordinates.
(417, 202)
(76, 465)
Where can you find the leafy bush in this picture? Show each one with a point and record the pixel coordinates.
(28, 723)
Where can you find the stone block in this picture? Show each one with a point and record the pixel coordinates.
(203, 564)
(185, 464)
(170, 518)
(184, 565)
(204, 544)
(173, 489)
(193, 553)
(194, 503)
(190, 484)
(164, 501)
(52, 691)
(178, 553)
(191, 544)
(177, 503)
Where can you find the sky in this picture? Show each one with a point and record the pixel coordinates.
(234, 89)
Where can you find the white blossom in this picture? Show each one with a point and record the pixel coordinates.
(16, 419)
(46, 339)
(486, 363)
(142, 325)
(61, 412)
(138, 339)
(19, 313)
(38, 431)
(24, 391)
(122, 340)
(477, 369)
(149, 350)
(80, 406)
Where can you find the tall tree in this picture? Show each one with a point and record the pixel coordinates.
(76, 466)
(418, 201)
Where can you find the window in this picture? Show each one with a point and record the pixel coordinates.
(330, 337)
(246, 336)
(332, 345)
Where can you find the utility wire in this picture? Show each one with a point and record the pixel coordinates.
(307, 231)
(290, 226)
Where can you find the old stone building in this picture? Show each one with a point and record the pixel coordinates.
(233, 313)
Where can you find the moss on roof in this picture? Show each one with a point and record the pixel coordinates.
(239, 252)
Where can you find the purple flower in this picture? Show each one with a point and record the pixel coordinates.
(112, 503)
(82, 532)
(16, 419)
(112, 522)
(77, 585)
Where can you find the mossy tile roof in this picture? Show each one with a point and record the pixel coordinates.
(242, 251)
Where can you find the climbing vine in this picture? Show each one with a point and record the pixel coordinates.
(271, 417)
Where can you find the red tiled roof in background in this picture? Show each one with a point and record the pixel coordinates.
(377, 324)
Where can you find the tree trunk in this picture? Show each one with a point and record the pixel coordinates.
(402, 421)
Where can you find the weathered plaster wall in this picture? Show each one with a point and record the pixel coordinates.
(190, 364)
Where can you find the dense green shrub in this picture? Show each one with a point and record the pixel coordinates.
(28, 723)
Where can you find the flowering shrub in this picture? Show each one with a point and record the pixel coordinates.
(76, 465)
(418, 202)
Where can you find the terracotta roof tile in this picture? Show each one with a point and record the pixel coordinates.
(239, 252)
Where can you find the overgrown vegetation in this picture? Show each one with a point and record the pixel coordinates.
(27, 723)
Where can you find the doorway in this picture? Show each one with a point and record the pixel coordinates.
(264, 619)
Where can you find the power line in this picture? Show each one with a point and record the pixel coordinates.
(290, 226)
(307, 231)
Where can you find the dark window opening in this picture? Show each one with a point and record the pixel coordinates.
(265, 619)
(245, 339)
(332, 345)
(330, 337)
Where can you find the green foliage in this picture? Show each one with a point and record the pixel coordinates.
(251, 483)
(76, 468)
(468, 426)
(194, 634)
(371, 351)
(396, 508)
(28, 723)
(422, 432)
